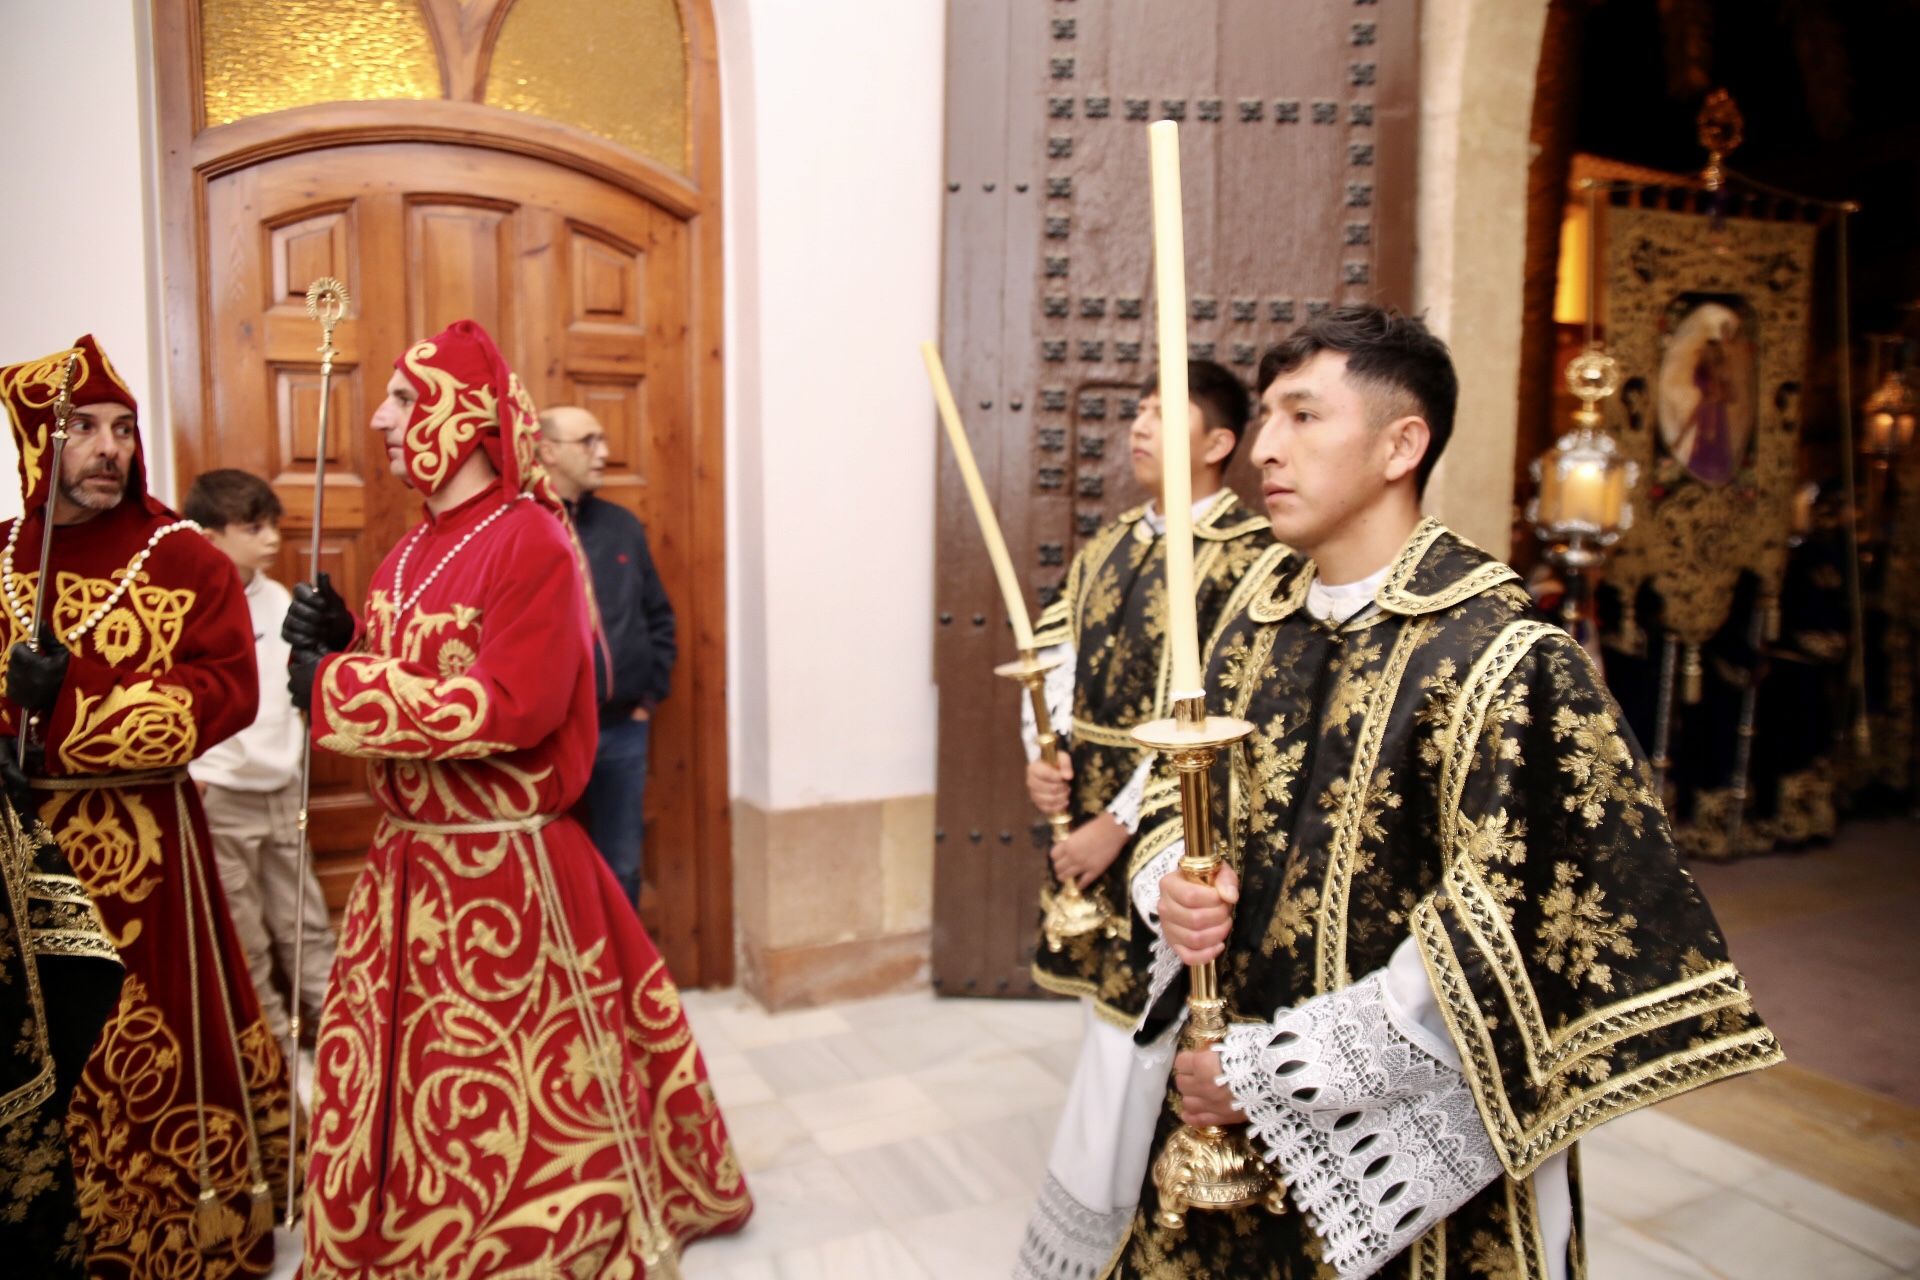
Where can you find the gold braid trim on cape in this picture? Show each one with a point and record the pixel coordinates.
(1570, 1082)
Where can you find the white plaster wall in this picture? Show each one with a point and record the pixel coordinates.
(834, 124)
(74, 227)
(1478, 63)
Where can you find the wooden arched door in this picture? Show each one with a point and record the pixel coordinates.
(595, 269)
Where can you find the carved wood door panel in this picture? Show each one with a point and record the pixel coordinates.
(583, 285)
(1298, 147)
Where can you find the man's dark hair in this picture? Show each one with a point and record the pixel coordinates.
(1394, 358)
(1223, 401)
(230, 496)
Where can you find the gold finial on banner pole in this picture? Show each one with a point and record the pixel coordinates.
(327, 302)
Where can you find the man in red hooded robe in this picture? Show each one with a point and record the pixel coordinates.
(507, 1085)
(179, 1120)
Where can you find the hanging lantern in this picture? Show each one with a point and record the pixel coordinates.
(1580, 506)
(1888, 418)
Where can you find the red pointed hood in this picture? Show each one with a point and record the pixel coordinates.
(30, 389)
(467, 399)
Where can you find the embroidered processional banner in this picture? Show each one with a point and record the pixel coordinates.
(1710, 325)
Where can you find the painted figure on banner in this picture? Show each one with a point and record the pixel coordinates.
(1707, 388)
(1107, 631)
(178, 1125)
(506, 1081)
(1452, 933)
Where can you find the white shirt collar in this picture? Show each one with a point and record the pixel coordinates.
(1158, 523)
(1340, 603)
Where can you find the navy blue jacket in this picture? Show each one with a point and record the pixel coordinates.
(634, 608)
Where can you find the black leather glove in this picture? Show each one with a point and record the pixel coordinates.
(34, 679)
(19, 792)
(318, 618)
(301, 668)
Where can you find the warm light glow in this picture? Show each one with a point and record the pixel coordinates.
(1583, 494)
(617, 68)
(1583, 499)
(1570, 301)
(260, 58)
(1888, 417)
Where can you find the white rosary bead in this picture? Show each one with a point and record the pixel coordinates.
(404, 602)
(24, 616)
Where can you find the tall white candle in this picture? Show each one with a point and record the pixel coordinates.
(977, 491)
(1170, 284)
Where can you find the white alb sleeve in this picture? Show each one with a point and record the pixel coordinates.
(1357, 1095)
(1145, 891)
(1125, 807)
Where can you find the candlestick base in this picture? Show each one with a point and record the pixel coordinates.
(1212, 1168)
(1206, 1166)
(1068, 913)
(1065, 911)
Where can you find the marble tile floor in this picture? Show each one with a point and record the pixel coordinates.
(903, 1139)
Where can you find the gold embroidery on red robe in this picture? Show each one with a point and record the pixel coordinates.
(451, 415)
(143, 725)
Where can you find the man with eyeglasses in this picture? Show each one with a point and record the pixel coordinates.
(639, 631)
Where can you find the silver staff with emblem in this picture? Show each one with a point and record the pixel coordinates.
(62, 412)
(327, 302)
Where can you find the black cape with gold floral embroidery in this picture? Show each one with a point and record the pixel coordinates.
(1449, 766)
(1114, 612)
(59, 981)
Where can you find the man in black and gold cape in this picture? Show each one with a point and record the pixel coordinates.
(59, 982)
(1459, 937)
(1107, 630)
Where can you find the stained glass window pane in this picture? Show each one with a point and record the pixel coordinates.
(616, 68)
(268, 55)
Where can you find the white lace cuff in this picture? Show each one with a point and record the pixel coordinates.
(1058, 691)
(1126, 806)
(1145, 890)
(1378, 1138)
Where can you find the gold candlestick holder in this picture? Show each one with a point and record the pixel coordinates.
(1066, 912)
(1206, 1166)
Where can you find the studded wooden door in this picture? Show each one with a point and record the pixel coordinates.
(1298, 147)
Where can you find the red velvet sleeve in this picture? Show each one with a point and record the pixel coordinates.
(203, 687)
(514, 694)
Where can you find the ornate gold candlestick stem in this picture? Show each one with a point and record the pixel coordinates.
(1204, 1167)
(1068, 913)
